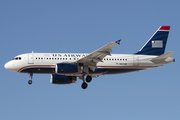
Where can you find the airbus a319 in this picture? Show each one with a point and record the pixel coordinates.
(66, 67)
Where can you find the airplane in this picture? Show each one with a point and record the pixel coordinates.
(66, 67)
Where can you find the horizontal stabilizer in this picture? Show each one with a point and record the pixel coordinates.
(162, 57)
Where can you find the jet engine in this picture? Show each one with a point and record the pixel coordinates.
(61, 79)
(66, 68)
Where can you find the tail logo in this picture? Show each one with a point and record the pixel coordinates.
(157, 44)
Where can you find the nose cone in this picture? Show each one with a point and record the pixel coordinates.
(7, 66)
(10, 66)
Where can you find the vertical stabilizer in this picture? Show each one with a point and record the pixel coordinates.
(157, 43)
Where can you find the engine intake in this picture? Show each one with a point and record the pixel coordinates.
(61, 79)
(66, 68)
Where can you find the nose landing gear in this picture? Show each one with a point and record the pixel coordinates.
(30, 81)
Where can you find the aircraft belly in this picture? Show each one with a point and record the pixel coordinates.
(98, 71)
(39, 70)
(113, 70)
(119, 71)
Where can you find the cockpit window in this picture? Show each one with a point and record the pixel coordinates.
(17, 58)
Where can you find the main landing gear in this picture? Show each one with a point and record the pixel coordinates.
(84, 85)
(88, 80)
(30, 81)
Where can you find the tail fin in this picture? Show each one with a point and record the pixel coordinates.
(157, 43)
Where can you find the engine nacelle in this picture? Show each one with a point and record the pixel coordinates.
(61, 79)
(66, 68)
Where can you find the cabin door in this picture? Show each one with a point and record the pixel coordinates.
(31, 58)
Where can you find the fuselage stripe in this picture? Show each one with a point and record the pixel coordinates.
(35, 66)
(126, 67)
(115, 67)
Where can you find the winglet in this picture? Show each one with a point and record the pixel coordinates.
(118, 42)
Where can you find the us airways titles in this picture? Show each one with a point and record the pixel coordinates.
(69, 55)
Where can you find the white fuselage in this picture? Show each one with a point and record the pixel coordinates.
(114, 64)
(66, 67)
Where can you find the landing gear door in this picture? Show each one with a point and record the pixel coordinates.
(31, 58)
(136, 60)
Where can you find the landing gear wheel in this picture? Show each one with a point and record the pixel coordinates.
(30, 82)
(84, 85)
(88, 79)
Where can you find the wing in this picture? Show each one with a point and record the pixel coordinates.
(93, 58)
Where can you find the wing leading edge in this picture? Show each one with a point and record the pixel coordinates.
(93, 58)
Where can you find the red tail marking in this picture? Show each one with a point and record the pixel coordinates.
(164, 28)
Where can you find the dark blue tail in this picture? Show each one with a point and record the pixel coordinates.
(157, 43)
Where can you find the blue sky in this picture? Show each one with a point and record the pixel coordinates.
(84, 26)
